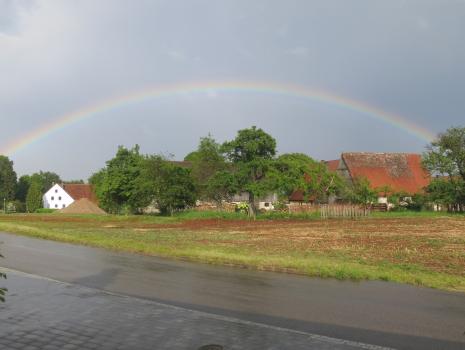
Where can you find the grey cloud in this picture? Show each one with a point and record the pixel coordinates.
(10, 15)
(405, 57)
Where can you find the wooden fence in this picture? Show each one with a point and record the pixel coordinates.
(301, 208)
(343, 211)
(330, 210)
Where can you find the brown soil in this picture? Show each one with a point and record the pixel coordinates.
(82, 206)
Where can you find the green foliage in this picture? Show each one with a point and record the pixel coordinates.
(360, 191)
(297, 171)
(168, 185)
(221, 186)
(18, 206)
(207, 162)
(34, 197)
(117, 185)
(22, 187)
(445, 157)
(242, 207)
(447, 192)
(45, 211)
(46, 179)
(403, 201)
(250, 145)
(7, 179)
(252, 154)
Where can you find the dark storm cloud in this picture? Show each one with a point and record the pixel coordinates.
(405, 57)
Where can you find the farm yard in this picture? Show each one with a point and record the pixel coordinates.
(426, 250)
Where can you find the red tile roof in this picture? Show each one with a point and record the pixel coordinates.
(400, 171)
(332, 164)
(78, 191)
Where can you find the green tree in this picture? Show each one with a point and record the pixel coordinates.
(221, 186)
(206, 162)
(34, 197)
(297, 171)
(360, 191)
(252, 155)
(445, 158)
(22, 187)
(46, 179)
(168, 185)
(447, 193)
(7, 179)
(117, 185)
(446, 155)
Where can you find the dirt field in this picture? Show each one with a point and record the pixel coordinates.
(421, 244)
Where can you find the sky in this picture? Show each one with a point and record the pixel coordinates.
(403, 57)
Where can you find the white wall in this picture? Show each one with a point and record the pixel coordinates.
(56, 198)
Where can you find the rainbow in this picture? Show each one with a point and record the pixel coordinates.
(232, 86)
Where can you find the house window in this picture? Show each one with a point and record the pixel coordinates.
(267, 204)
(56, 191)
(56, 205)
(53, 198)
(63, 206)
(59, 198)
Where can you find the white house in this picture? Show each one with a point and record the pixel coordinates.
(56, 198)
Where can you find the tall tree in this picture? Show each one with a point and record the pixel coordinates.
(168, 185)
(297, 171)
(206, 161)
(117, 185)
(445, 158)
(7, 179)
(34, 197)
(252, 154)
(22, 187)
(46, 179)
(446, 155)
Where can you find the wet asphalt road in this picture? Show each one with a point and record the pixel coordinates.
(44, 314)
(380, 313)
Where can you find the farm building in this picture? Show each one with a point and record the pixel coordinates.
(61, 196)
(400, 172)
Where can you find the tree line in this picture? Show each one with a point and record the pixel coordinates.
(215, 172)
(248, 164)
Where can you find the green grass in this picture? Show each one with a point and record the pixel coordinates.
(416, 214)
(233, 246)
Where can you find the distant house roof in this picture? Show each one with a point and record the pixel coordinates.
(298, 196)
(399, 171)
(79, 191)
(332, 164)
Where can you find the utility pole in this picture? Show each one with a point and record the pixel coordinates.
(4, 205)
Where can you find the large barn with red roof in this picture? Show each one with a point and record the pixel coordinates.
(400, 172)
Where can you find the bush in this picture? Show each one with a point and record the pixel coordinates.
(45, 211)
(17, 206)
(242, 207)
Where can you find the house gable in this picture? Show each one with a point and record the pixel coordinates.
(56, 198)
